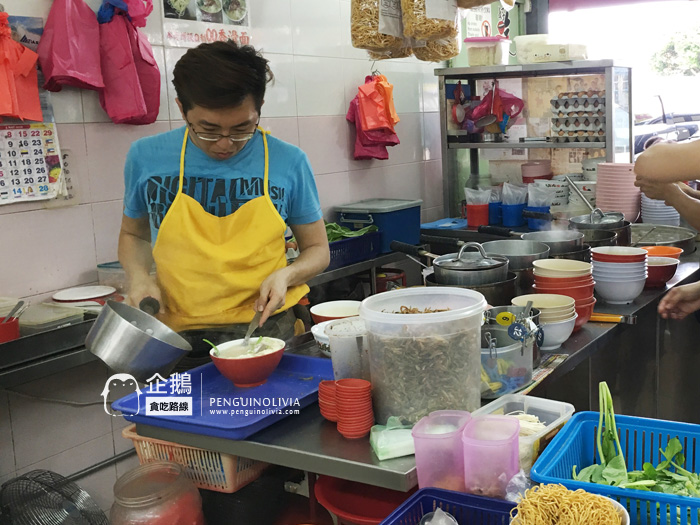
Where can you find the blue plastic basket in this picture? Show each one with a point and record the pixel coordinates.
(466, 508)
(640, 439)
(354, 250)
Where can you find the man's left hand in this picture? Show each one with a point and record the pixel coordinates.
(654, 189)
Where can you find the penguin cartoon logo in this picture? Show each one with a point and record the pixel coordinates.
(121, 381)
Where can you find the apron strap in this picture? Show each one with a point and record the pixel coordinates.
(265, 185)
(182, 159)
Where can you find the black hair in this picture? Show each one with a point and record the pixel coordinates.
(221, 75)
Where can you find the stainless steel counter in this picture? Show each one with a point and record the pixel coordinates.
(310, 443)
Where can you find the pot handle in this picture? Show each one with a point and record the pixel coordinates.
(527, 214)
(496, 230)
(408, 249)
(150, 305)
(476, 245)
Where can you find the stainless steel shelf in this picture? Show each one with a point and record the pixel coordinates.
(525, 145)
(574, 67)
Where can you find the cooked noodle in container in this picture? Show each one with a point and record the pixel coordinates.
(364, 28)
(416, 23)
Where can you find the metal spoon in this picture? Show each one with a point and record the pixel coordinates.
(13, 312)
(251, 328)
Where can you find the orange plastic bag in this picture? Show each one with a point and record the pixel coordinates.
(19, 89)
(376, 104)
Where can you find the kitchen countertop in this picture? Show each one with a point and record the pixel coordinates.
(308, 442)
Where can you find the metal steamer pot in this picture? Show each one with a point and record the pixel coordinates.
(131, 341)
(559, 241)
(499, 293)
(598, 220)
(468, 269)
(595, 238)
(520, 255)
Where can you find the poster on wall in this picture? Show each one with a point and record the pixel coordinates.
(479, 21)
(30, 158)
(188, 23)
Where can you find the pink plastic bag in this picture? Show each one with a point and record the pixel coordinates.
(68, 50)
(504, 104)
(372, 137)
(364, 151)
(137, 10)
(131, 76)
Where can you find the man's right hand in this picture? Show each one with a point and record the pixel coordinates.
(143, 287)
(680, 301)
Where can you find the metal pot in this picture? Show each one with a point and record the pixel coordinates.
(499, 293)
(133, 342)
(582, 254)
(595, 238)
(520, 253)
(663, 235)
(470, 269)
(559, 241)
(490, 320)
(598, 220)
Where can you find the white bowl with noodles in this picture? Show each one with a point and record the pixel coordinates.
(621, 511)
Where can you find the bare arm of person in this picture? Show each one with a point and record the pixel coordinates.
(695, 194)
(136, 257)
(686, 205)
(314, 257)
(669, 162)
(680, 301)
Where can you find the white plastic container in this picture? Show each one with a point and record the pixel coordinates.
(487, 51)
(422, 362)
(551, 413)
(349, 348)
(48, 316)
(525, 46)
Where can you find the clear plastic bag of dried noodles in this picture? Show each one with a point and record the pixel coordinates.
(437, 50)
(364, 27)
(393, 52)
(429, 19)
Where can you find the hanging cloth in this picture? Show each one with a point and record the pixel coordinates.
(210, 268)
(19, 88)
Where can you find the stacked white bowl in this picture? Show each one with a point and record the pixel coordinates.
(557, 316)
(616, 190)
(589, 167)
(657, 212)
(620, 273)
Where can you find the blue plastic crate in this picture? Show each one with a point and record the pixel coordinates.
(640, 439)
(466, 508)
(354, 250)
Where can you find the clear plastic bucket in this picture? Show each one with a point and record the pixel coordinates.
(428, 361)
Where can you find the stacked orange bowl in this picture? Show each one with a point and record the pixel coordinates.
(326, 400)
(354, 404)
(567, 277)
(620, 273)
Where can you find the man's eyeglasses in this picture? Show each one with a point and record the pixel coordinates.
(215, 137)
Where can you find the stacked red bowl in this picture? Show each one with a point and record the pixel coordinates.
(616, 190)
(536, 170)
(354, 404)
(620, 273)
(327, 401)
(567, 277)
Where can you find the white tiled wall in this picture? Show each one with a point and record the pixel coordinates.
(317, 73)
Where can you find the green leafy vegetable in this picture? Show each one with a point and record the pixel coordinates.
(336, 232)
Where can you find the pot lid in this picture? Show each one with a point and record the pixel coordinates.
(470, 261)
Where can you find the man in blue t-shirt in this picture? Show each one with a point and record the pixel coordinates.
(210, 202)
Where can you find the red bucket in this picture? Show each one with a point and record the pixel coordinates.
(9, 331)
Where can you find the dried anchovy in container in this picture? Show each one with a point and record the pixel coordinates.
(437, 50)
(413, 375)
(417, 25)
(364, 27)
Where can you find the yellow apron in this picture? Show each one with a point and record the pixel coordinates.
(210, 268)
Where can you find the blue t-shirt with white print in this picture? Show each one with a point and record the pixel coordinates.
(152, 172)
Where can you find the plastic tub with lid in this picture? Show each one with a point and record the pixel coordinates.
(487, 50)
(428, 357)
(525, 46)
(553, 414)
(439, 453)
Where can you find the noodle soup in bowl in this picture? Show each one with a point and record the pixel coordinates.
(235, 10)
(248, 365)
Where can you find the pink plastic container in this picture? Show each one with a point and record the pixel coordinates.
(439, 451)
(490, 445)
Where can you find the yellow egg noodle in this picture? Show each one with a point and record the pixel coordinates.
(417, 25)
(437, 50)
(364, 27)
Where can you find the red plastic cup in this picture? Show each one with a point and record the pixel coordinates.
(9, 331)
(477, 214)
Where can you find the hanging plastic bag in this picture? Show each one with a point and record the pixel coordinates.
(376, 104)
(132, 80)
(19, 89)
(393, 440)
(505, 106)
(370, 137)
(138, 10)
(429, 20)
(438, 50)
(69, 52)
(369, 149)
(513, 194)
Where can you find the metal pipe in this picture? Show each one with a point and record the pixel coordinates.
(102, 464)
